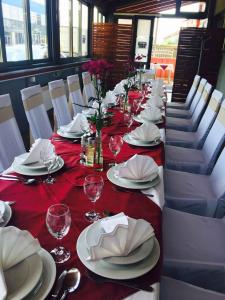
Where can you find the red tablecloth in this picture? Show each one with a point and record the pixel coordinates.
(33, 201)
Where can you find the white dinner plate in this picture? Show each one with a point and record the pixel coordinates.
(128, 139)
(2, 208)
(139, 119)
(6, 215)
(23, 170)
(116, 271)
(126, 183)
(48, 277)
(37, 165)
(92, 236)
(23, 277)
(70, 135)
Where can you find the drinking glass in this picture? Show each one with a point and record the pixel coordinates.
(115, 144)
(58, 221)
(49, 160)
(136, 105)
(93, 186)
(128, 119)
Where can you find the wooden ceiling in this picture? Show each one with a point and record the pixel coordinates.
(135, 6)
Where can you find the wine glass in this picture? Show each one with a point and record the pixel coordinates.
(115, 144)
(136, 105)
(128, 119)
(49, 160)
(93, 186)
(58, 221)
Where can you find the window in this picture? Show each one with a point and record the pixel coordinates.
(16, 29)
(125, 21)
(97, 16)
(73, 28)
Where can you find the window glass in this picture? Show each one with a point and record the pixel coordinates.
(103, 19)
(99, 17)
(64, 16)
(95, 17)
(15, 30)
(76, 28)
(186, 6)
(38, 29)
(142, 39)
(125, 21)
(84, 34)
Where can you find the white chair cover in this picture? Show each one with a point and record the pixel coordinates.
(193, 249)
(192, 123)
(35, 111)
(88, 90)
(189, 98)
(179, 113)
(75, 93)
(171, 289)
(197, 139)
(10, 138)
(59, 102)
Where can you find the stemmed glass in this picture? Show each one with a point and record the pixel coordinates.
(115, 144)
(49, 160)
(93, 186)
(58, 221)
(136, 105)
(128, 119)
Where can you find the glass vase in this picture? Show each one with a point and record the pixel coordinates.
(98, 164)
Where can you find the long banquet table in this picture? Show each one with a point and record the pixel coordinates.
(32, 202)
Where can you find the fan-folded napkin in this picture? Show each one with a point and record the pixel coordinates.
(40, 145)
(110, 97)
(119, 235)
(156, 100)
(78, 124)
(15, 246)
(151, 113)
(146, 132)
(138, 167)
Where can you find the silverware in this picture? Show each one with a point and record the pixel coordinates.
(59, 284)
(26, 181)
(56, 139)
(71, 282)
(128, 283)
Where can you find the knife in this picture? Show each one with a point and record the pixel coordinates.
(59, 284)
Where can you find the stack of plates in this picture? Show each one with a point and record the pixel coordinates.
(5, 212)
(137, 263)
(130, 183)
(36, 169)
(32, 278)
(70, 135)
(132, 141)
(139, 119)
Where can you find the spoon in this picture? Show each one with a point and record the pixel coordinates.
(71, 282)
(26, 181)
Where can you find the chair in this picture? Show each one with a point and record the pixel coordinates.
(199, 160)
(171, 289)
(196, 193)
(192, 123)
(35, 111)
(10, 137)
(75, 93)
(59, 102)
(197, 139)
(88, 90)
(187, 114)
(190, 96)
(193, 249)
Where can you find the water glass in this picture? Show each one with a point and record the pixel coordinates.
(49, 160)
(115, 144)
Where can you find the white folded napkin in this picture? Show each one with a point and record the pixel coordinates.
(119, 89)
(2, 210)
(110, 97)
(34, 154)
(15, 246)
(138, 167)
(78, 124)
(146, 132)
(156, 100)
(127, 234)
(1, 218)
(151, 114)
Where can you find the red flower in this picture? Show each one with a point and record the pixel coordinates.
(97, 67)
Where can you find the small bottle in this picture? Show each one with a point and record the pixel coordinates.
(84, 144)
(90, 152)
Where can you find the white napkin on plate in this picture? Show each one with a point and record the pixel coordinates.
(110, 97)
(151, 114)
(125, 236)
(2, 210)
(138, 167)
(78, 124)
(15, 246)
(146, 132)
(156, 100)
(34, 154)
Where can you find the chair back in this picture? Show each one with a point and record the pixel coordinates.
(59, 102)
(197, 95)
(10, 138)
(209, 117)
(199, 110)
(75, 94)
(88, 90)
(192, 91)
(35, 111)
